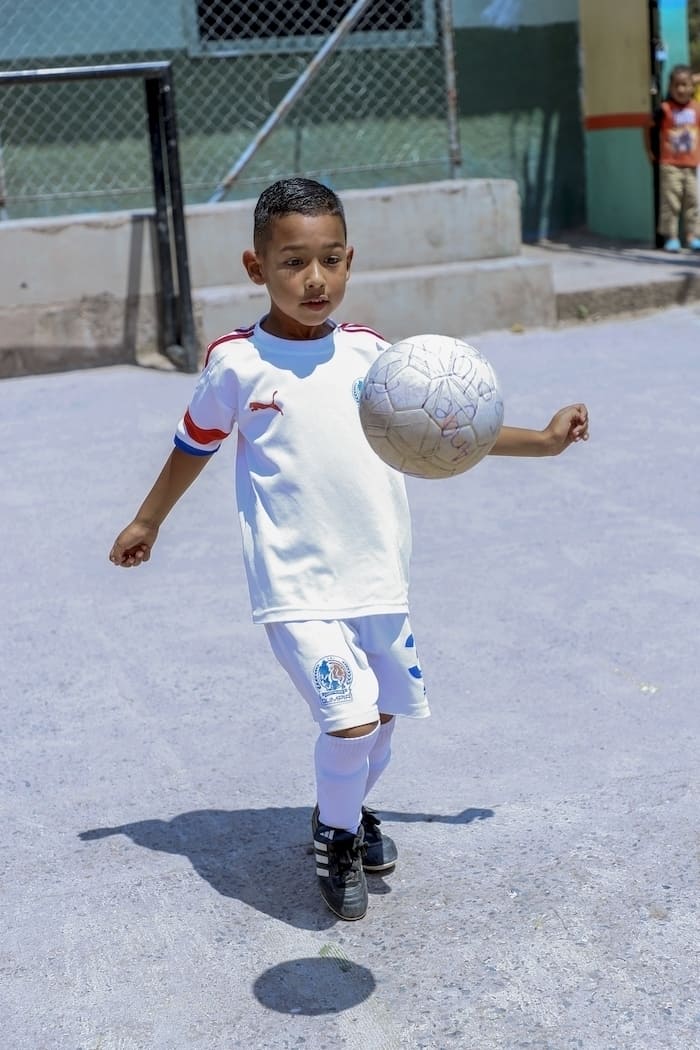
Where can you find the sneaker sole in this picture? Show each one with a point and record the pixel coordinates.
(339, 914)
(376, 869)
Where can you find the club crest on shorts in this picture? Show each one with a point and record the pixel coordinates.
(333, 680)
(357, 388)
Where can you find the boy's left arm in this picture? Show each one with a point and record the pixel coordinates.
(566, 426)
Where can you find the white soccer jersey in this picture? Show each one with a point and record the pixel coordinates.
(325, 524)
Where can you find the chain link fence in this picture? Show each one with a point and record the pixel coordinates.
(375, 112)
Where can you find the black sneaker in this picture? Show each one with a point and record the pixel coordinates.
(381, 852)
(339, 868)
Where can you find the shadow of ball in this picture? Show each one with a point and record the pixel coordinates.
(314, 986)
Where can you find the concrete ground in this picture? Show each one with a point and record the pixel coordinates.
(156, 766)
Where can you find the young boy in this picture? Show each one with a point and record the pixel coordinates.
(673, 140)
(325, 524)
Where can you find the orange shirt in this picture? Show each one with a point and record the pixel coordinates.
(679, 139)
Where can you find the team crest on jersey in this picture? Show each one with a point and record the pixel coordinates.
(333, 680)
(357, 389)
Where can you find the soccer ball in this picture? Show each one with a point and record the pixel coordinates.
(431, 406)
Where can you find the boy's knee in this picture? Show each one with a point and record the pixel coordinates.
(355, 731)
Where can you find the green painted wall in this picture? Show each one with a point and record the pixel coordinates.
(615, 160)
(519, 100)
(617, 101)
(41, 29)
(518, 79)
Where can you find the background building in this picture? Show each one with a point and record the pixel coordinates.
(551, 93)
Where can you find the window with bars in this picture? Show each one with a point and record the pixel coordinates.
(230, 27)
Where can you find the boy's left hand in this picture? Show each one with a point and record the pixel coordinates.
(567, 426)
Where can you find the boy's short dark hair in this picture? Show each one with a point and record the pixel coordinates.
(303, 196)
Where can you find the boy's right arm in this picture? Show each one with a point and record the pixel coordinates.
(133, 544)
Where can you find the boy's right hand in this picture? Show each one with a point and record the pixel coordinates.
(133, 544)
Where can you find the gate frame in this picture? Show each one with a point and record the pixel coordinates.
(176, 320)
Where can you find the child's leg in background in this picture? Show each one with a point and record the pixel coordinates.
(690, 206)
(670, 200)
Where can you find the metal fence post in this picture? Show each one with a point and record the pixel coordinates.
(188, 340)
(448, 50)
(166, 291)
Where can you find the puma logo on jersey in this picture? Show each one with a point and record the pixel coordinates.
(257, 406)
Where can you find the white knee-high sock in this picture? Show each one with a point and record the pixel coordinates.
(342, 765)
(380, 754)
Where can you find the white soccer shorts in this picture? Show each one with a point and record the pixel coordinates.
(349, 671)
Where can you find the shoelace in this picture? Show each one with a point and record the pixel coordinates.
(347, 858)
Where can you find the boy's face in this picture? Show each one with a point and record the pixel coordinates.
(681, 88)
(305, 264)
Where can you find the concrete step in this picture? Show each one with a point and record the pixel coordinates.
(456, 299)
(597, 303)
(595, 278)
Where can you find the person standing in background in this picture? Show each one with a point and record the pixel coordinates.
(673, 140)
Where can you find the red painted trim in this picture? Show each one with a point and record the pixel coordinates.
(607, 121)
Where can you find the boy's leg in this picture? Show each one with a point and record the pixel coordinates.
(670, 200)
(339, 668)
(342, 766)
(333, 675)
(690, 207)
(338, 806)
(330, 670)
(348, 765)
(391, 651)
(381, 853)
(342, 761)
(380, 754)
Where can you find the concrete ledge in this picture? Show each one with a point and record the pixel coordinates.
(81, 291)
(429, 223)
(85, 333)
(454, 299)
(52, 261)
(58, 260)
(628, 298)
